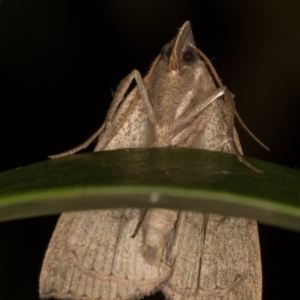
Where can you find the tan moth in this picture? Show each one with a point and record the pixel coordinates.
(181, 102)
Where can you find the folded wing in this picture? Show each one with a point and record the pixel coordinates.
(101, 261)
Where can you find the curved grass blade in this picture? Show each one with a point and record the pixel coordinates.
(189, 179)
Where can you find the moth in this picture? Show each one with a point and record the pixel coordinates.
(181, 102)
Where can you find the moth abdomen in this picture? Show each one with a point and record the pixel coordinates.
(157, 228)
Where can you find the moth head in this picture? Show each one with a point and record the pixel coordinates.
(181, 51)
(187, 57)
(179, 74)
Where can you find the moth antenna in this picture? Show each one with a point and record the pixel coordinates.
(244, 126)
(219, 82)
(139, 224)
(211, 67)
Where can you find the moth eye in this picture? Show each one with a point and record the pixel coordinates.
(166, 51)
(188, 56)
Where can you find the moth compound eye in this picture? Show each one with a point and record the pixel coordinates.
(166, 51)
(188, 56)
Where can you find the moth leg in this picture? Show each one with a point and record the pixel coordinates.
(143, 92)
(230, 113)
(115, 123)
(116, 107)
(226, 140)
(188, 115)
(80, 147)
(139, 224)
(257, 140)
(192, 128)
(118, 98)
(230, 107)
(122, 89)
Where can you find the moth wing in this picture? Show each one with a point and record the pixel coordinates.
(92, 256)
(216, 257)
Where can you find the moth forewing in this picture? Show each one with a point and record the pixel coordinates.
(187, 255)
(91, 256)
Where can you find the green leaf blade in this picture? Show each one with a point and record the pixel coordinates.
(189, 179)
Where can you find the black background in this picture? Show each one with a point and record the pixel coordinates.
(60, 61)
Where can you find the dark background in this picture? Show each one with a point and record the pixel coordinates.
(60, 61)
